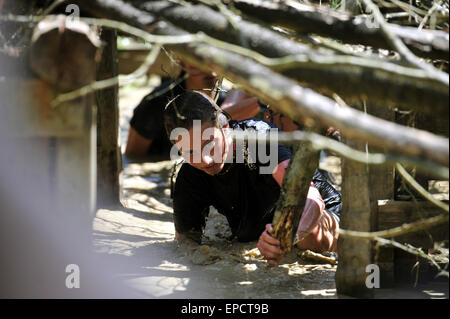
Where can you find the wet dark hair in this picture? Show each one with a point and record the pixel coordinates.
(189, 106)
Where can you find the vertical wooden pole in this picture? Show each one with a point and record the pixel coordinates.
(108, 151)
(358, 214)
(381, 180)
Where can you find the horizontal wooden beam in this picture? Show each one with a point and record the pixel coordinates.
(393, 213)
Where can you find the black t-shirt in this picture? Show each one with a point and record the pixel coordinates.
(246, 197)
(147, 117)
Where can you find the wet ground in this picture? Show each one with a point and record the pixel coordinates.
(140, 234)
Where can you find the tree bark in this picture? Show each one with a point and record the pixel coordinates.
(298, 103)
(303, 18)
(355, 254)
(294, 191)
(108, 151)
(64, 53)
(351, 83)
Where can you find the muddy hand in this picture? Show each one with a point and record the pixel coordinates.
(270, 247)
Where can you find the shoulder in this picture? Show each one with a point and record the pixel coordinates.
(252, 123)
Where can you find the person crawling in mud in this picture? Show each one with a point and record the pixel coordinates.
(214, 175)
(147, 135)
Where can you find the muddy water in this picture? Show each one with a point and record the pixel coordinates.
(139, 236)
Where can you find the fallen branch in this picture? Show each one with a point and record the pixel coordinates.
(350, 84)
(294, 101)
(409, 249)
(308, 254)
(397, 231)
(294, 191)
(401, 48)
(303, 18)
(319, 142)
(120, 80)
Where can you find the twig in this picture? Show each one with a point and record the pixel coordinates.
(320, 142)
(402, 49)
(397, 231)
(118, 80)
(52, 7)
(429, 13)
(107, 23)
(409, 249)
(314, 105)
(411, 181)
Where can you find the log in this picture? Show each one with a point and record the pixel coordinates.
(108, 150)
(64, 53)
(351, 83)
(381, 188)
(294, 191)
(302, 104)
(296, 102)
(357, 214)
(308, 19)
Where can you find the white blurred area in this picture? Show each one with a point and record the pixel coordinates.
(40, 234)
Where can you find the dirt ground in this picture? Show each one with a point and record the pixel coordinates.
(140, 234)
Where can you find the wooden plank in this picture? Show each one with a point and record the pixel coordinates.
(108, 151)
(381, 176)
(355, 254)
(382, 187)
(395, 213)
(26, 105)
(75, 169)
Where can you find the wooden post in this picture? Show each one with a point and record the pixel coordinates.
(358, 213)
(50, 161)
(381, 179)
(63, 54)
(108, 151)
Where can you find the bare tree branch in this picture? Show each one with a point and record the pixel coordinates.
(351, 83)
(401, 48)
(304, 18)
(397, 231)
(295, 101)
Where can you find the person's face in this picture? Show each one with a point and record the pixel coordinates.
(205, 148)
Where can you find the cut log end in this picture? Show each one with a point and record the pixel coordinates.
(64, 52)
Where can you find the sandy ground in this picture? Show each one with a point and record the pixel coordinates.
(140, 235)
